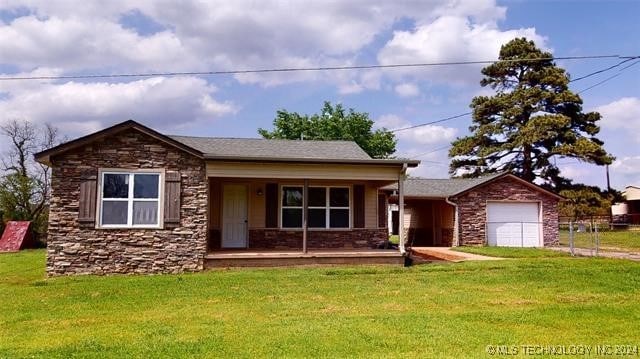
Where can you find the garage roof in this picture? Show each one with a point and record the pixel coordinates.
(443, 188)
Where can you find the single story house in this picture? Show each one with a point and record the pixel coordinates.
(128, 199)
(496, 210)
(627, 212)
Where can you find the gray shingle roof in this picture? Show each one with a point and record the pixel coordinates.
(441, 188)
(274, 149)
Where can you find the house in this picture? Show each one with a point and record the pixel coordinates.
(627, 212)
(128, 199)
(496, 210)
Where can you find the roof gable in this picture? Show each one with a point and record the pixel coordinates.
(45, 156)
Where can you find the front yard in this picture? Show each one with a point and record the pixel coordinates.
(444, 310)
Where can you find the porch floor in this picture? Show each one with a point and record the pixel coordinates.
(276, 258)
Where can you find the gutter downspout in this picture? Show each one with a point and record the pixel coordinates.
(456, 237)
(401, 210)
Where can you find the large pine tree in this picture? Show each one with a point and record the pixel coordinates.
(532, 119)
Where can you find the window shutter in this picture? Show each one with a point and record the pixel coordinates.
(87, 201)
(271, 205)
(172, 199)
(358, 206)
(382, 210)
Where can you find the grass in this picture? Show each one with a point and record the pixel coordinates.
(617, 239)
(510, 252)
(447, 310)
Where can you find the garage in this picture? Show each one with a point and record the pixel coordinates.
(513, 224)
(498, 209)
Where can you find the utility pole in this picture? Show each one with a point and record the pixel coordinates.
(606, 167)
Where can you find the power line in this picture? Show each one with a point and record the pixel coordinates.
(296, 69)
(605, 69)
(627, 59)
(431, 151)
(430, 123)
(608, 78)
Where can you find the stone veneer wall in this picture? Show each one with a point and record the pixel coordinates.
(75, 248)
(283, 239)
(472, 207)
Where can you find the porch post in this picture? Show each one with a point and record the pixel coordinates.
(305, 215)
(401, 209)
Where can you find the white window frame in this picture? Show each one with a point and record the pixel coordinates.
(130, 198)
(327, 207)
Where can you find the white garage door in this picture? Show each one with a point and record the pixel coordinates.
(513, 224)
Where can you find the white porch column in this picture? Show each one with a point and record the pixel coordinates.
(305, 215)
(401, 209)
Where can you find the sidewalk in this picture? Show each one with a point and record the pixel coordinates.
(446, 254)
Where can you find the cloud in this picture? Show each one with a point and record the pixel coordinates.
(424, 135)
(428, 135)
(90, 44)
(82, 107)
(407, 90)
(449, 38)
(623, 113)
(625, 171)
(224, 35)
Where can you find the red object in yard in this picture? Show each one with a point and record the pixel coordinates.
(17, 235)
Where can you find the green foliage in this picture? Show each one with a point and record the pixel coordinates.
(16, 192)
(24, 184)
(333, 123)
(584, 201)
(532, 118)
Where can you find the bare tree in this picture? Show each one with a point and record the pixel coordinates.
(24, 183)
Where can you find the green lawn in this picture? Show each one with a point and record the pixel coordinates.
(510, 252)
(443, 310)
(621, 239)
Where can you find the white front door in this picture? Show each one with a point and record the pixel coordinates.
(234, 216)
(513, 224)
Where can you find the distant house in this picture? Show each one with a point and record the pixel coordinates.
(128, 199)
(495, 210)
(628, 212)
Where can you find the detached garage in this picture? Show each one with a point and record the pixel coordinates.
(494, 210)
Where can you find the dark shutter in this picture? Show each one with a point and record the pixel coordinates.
(358, 206)
(87, 201)
(271, 205)
(172, 199)
(382, 210)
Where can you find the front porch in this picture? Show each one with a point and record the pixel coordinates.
(278, 258)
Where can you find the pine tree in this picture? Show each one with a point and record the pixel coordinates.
(532, 119)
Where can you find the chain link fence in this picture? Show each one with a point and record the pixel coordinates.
(599, 236)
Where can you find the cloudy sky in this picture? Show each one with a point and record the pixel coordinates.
(56, 37)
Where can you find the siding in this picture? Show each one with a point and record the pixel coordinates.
(301, 171)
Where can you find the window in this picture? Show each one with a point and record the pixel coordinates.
(328, 207)
(130, 199)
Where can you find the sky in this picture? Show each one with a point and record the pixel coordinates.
(58, 38)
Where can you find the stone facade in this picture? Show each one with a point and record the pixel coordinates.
(75, 248)
(283, 239)
(472, 207)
